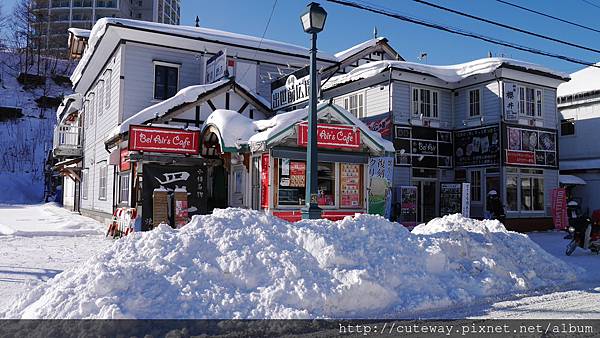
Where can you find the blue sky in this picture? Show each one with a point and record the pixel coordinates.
(346, 26)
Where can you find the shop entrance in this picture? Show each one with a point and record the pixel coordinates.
(426, 198)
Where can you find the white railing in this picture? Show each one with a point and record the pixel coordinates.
(67, 136)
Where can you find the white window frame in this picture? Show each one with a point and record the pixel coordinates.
(530, 108)
(360, 109)
(100, 101)
(124, 187)
(474, 105)
(166, 64)
(85, 178)
(102, 180)
(520, 176)
(107, 88)
(418, 106)
(92, 108)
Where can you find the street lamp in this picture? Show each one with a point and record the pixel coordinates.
(313, 21)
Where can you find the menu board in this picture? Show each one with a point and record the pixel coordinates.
(450, 198)
(530, 147)
(350, 185)
(297, 174)
(475, 147)
(408, 205)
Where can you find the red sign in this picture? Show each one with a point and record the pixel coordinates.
(331, 136)
(520, 157)
(164, 140)
(124, 163)
(264, 180)
(559, 208)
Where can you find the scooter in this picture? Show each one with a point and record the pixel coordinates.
(584, 234)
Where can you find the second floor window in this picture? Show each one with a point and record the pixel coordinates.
(166, 79)
(474, 103)
(100, 100)
(530, 102)
(425, 102)
(355, 104)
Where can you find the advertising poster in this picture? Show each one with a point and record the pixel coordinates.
(350, 185)
(466, 200)
(423, 147)
(381, 170)
(559, 208)
(264, 181)
(297, 174)
(181, 213)
(530, 147)
(381, 123)
(408, 206)
(450, 198)
(476, 147)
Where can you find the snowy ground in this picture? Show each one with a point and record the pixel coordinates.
(38, 242)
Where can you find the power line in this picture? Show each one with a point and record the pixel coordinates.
(499, 24)
(590, 3)
(461, 32)
(549, 16)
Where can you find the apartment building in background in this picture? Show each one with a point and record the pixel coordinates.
(55, 17)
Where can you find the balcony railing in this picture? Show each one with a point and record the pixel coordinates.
(67, 141)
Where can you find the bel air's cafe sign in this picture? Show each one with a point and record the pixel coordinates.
(331, 136)
(163, 140)
(291, 89)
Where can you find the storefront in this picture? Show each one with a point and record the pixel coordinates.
(274, 157)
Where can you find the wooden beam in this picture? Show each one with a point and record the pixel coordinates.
(211, 105)
(243, 107)
(197, 122)
(227, 100)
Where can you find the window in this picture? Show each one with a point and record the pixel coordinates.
(474, 103)
(530, 102)
(525, 192)
(102, 169)
(91, 106)
(292, 183)
(475, 180)
(166, 79)
(355, 104)
(567, 127)
(100, 97)
(124, 188)
(425, 102)
(84, 184)
(108, 88)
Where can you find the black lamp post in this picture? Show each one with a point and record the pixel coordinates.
(313, 21)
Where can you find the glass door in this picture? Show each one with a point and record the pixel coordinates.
(426, 200)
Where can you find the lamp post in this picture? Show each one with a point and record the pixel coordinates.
(313, 21)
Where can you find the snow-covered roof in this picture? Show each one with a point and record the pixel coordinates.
(583, 80)
(355, 49)
(208, 34)
(450, 73)
(186, 95)
(80, 33)
(237, 130)
(571, 180)
(70, 103)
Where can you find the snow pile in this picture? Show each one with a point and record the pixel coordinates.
(450, 74)
(244, 264)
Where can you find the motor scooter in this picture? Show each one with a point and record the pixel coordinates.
(584, 232)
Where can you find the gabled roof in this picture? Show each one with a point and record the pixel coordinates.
(188, 97)
(243, 132)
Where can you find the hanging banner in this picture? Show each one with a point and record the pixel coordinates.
(264, 181)
(511, 101)
(450, 198)
(331, 136)
(466, 200)
(407, 197)
(559, 208)
(381, 170)
(163, 140)
(476, 147)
